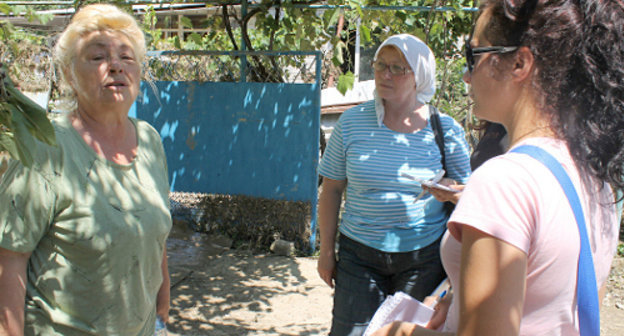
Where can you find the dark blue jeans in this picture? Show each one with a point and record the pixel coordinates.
(366, 276)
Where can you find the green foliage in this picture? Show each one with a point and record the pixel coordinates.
(21, 121)
(281, 25)
(620, 250)
(451, 95)
(5, 9)
(345, 82)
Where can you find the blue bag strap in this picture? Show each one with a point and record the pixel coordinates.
(586, 288)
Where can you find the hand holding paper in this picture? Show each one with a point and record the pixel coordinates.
(399, 307)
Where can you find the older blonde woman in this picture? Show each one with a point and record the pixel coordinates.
(82, 235)
(389, 237)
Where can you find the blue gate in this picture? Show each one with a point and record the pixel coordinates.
(239, 138)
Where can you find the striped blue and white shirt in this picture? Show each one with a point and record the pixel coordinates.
(380, 211)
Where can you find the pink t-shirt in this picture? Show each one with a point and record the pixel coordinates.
(515, 198)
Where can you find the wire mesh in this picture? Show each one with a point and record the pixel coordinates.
(29, 65)
(32, 68)
(216, 66)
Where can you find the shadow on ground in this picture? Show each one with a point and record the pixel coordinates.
(217, 291)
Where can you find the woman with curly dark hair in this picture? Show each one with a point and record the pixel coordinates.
(551, 72)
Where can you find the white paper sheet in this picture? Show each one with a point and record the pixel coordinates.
(399, 307)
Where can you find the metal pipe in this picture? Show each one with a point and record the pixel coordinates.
(356, 66)
(47, 3)
(243, 77)
(158, 53)
(244, 3)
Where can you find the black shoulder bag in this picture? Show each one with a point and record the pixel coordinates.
(436, 125)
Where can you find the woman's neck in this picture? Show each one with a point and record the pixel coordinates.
(528, 121)
(111, 137)
(403, 108)
(407, 117)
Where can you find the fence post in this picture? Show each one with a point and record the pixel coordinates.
(314, 203)
(243, 77)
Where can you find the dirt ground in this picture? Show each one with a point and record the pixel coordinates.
(218, 291)
(221, 292)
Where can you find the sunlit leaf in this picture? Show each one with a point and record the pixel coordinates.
(336, 61)
(186, 22)
(339, 51)
(44, 18)
(345, 82)
(401, 15)
(5, 9)
(410, 20)
(437, 28)
(196, 38)
(7, 143)
(365, 34)
(419, 33)
(306, 45)
(330, 17)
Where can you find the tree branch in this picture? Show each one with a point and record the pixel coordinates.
(430, 19)
(228, 27)
(277, 19)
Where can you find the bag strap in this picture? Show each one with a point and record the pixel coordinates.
(438, 133)
(586, 288)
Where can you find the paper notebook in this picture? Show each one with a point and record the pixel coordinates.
(399, 307)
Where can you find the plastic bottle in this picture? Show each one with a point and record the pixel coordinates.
(161, 327)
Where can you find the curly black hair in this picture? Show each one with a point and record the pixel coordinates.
(579, 54)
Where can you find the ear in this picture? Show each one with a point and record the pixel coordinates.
(523, 64)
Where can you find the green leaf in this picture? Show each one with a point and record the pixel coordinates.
(299, 32)
(419, 33)
(410, 20)
(345, 82)
(401, 15)
(330, 17)
(44, 18)
(186, 22)
(34, 116)
(196, 38)
(7, 143)
(5, 9)
(365, 34)
(448, 16)
(437, 28)
(5, 115)
(338, 51)
(176, 42)
(357, 5)
(336, 61)
(306, 45)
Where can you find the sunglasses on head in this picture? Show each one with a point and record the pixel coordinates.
(472, 52)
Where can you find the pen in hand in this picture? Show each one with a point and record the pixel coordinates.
(440, 297)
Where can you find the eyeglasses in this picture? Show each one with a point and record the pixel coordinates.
(472, 52)
(395, 69)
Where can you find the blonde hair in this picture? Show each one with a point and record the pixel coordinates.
(91, 18)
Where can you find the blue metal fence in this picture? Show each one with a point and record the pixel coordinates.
(239, 138)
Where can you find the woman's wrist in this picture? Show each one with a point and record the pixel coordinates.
(327, 252)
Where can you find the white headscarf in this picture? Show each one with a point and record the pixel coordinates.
(420, 58)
